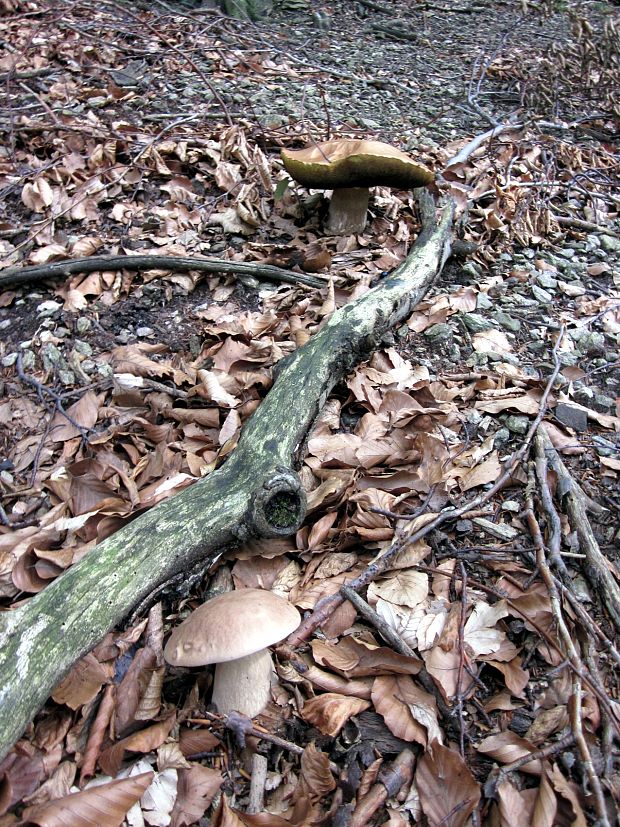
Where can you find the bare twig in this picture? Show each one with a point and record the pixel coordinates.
(595, 568)
(181, 264)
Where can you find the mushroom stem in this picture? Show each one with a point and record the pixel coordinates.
(244, 684)
(347, 210)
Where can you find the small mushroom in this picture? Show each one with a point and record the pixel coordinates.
(350, 167)
(233, 631)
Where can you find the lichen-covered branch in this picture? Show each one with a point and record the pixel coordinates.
(255, 493)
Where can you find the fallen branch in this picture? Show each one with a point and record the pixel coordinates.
(469, 149)
(595, 567)
(177, 264)
(255, 493)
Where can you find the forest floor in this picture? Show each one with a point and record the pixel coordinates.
(140, 131)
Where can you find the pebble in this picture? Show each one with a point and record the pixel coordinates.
(517, 424)
(572, 417)
(610, 244)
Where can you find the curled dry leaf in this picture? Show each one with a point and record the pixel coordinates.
(354, 659)
(409, 712)
(330, 712)
(143, 741)
(507, 747)
(102, 806)
(83, 682)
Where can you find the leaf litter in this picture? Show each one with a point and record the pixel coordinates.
(440, 725)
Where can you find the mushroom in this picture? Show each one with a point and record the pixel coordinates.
(350, 167)
(233, 631)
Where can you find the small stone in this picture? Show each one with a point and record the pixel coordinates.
(471, 269)
(547, 281)
(604, 447)
(572, 417)
(9, 360)
(517, 424)
(464, 526)
(501, 438)
(565, 252)
(589, 342)
(438, 333)
(28, 359)
(610, 244)
(83, 348)
(105, 370)
(83, 324)
(502, 531)
(88, 366)
(144, 331)
(512, 506)
(574, 289)
(483, 302)
(48, 308)
(507, 322)
(603, 403)
(5, 324)
(474, 322)
(541, 295)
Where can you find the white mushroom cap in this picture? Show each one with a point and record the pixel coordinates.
(231, 626)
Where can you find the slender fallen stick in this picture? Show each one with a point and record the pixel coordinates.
(596, 566)
(181, 264)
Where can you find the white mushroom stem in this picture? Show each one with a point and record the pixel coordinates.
(243, 685)
(347, 210)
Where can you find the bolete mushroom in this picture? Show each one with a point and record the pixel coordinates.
(233, 631)
(350, 167)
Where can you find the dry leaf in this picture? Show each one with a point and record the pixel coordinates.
(104, 805)
(448, 792)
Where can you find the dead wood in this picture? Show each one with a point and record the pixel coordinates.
(12, 276)
(256, 493)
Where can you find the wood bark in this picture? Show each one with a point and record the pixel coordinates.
(255, 493)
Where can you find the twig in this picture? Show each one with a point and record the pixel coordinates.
(595, 568)
(385, 630)
(574, 708)
(257, 784)
(458, 697)
(182, 264)
(588, 226)
(499, 774)
(43, 391)
(477, 142)
(182, 55)
(391, 780)
(235, 721)
(94, 184)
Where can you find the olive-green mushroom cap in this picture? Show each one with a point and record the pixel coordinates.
(345, 162)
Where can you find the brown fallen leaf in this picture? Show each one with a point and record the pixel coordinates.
(448, 792)
(330, 712)
(409, 711)
(196, 789)
(104, 805)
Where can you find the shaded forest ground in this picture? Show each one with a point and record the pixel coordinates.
(158, 130)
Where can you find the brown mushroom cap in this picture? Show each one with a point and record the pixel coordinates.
(345, 162)
(231, 626)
